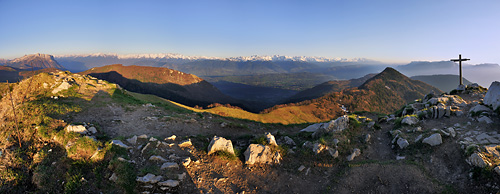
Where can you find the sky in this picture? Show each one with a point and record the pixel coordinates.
(393, 31)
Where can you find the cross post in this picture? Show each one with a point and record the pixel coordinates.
(460, 67)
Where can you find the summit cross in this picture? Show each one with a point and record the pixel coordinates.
(460, 66)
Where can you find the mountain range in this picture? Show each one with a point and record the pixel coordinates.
(35, 61)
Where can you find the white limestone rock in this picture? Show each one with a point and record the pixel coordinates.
(270, 139)
(119, 143)
(185, 143)
(132, 140)
(77, 129)
(149, 178)
(433, 140)
(157, 159)
(485, 119)
(257, 153)
(355, 153)
(220, 144)
(403, 143)
(479, 108)
(478, 159)
(410, 120)
(168, 165)
(492, 97)
(169, 183)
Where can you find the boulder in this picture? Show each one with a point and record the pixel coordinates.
(119, 143)
(492, 97)
(157, 159)
(333, 152)
(168, 165)
(220, 144)
(270, 139)
(132, 140)
(313, 127)
(92, 130)
(403, 143)
(479, 108)
(478, 159)
(257, 153)
(433, 140)
(113, 177)
(336, 125)
(485, 119)
(185, 143)
(169, 183)
(77, 129)
(452, 131)
(149, 178)
(409, 120)
(171, 138)
(64, 86)
(355, 153)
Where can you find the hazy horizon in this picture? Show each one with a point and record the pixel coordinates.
(389, 31)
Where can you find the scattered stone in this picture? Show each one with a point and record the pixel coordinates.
(181, 176)
(169, 183)
(492, 97)
(186, 161)
(77, 129)
(479, 108)
(400, 157)
(220, 144)
(132, 140)
(157, 159)
(410, 120)
(335, 141)
(367, 138)
(172, 138)
(333, 152)
(485, 119)
(356, 152)
(185, 143)
(418, 138)
(307, 144)
(403, 143)
(149, 178)
(478, 159)
(433, 140)
(270, 139)
(312, 128)
(317, 148)
(153, 139)
(145, 147)
(257, 153)
(445, 133)
(301, 168)
(497, 170)
(452, 131)
(223, 124)
(144, 136)
(370, 124)
(168, 165)
(147, 186)
(288, 141)
(434, 130)
(119, 143)
(418, 129)
(92, 130)
(113, 177)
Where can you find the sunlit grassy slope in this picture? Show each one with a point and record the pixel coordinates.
(284, 115)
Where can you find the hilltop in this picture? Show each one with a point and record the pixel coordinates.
(174, 85)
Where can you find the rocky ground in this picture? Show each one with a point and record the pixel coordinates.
(440, 144)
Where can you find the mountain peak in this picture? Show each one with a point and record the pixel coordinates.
(35, 61)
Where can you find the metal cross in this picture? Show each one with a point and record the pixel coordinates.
(460, 66)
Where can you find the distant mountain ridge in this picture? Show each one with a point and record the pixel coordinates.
(445, 83)
(174, 85)
(34, 61)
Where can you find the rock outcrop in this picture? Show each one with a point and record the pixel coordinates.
(257, 153)
(220, 144)
(492, 97)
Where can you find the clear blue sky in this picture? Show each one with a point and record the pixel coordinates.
(385, 30)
